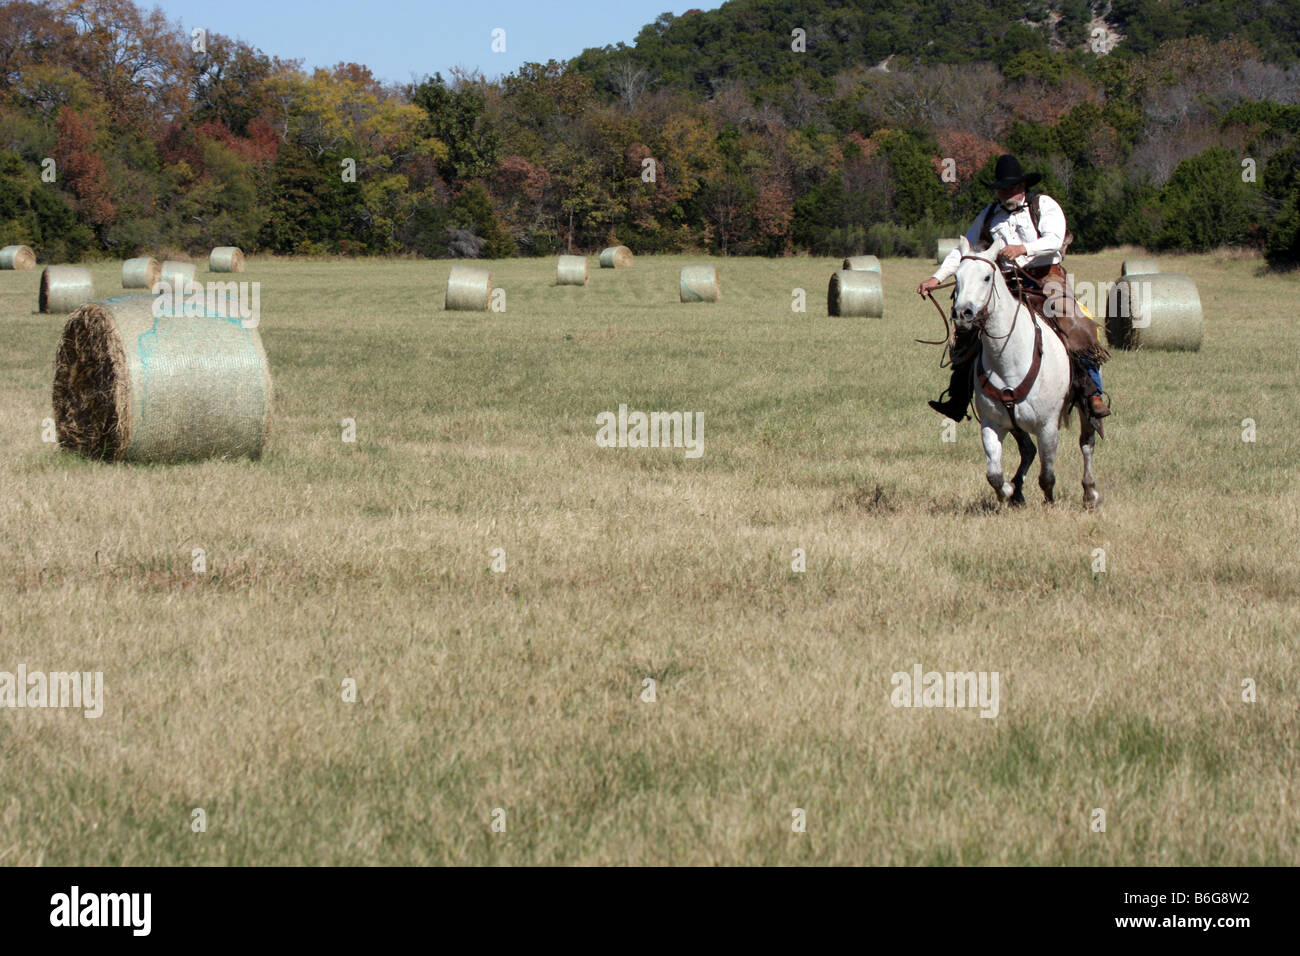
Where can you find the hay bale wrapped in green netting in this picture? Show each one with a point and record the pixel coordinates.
(862, 264)
(468, 289)
(1156, 311)
(64, 288)
(17, 257)
(1139, 267)
(130, 385)
(142, 273)
(178, 275)
(699, 284)
(571, 270)
(855, 293)
(944, 246)
(616, 257)
(226, 259)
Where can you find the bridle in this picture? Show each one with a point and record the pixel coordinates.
(1008, 398)
(982, 316)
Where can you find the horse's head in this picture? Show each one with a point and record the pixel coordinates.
(978, 277)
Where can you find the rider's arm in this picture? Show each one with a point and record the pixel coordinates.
(948, 267)
(1051, 229)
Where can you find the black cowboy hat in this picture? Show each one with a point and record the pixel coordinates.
(1008, 173)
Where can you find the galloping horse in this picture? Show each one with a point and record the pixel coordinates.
(1023, 376)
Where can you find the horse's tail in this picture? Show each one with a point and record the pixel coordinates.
(1067, 408)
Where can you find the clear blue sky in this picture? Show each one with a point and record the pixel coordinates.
(401, 38)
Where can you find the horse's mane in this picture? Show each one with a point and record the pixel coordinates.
(982, 247)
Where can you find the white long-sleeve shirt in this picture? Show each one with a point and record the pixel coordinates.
(1042, 245)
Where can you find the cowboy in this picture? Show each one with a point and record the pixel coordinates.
(1035, 238)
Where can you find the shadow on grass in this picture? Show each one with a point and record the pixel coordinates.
(865, 499)
(961, 508)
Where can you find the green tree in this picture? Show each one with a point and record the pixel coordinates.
(1205, 203)
(309, 207)
(1282, 186)
(918, 192)
(472, 209)
(457, 119)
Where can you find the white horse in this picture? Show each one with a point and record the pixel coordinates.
(1031, 400)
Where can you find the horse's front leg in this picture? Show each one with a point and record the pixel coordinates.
(1027, 454)
(991, 435)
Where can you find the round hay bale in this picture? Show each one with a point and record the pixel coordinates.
(468, 289)
(571, 270)
(943, 247)
(141, 273)
(616, 257)
(65, 288)
(226, 259)
(17, 257)
(854, 292)
(130, 386)
(178, 275)
(699, 284)
(1139, 267)
(862, 264)
(1154, 311)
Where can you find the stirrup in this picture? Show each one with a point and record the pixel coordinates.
(1093, 420)
(946, 410)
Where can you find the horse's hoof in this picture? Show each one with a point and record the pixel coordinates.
(1093, 503)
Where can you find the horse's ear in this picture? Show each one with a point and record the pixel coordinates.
(964, 245)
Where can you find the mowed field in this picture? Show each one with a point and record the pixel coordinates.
(521, 690)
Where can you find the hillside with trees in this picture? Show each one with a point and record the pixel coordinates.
(1174, 125)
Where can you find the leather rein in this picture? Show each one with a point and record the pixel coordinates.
(1008, 398)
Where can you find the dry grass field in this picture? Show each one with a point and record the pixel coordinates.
(521, 690)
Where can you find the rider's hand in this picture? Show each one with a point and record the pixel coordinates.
(928, 285)
(1011, 252)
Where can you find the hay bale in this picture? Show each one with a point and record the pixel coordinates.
(699, 284)
(65, 288)
(1163, 312)
(1139, 267)
(862, 264)
(178, 275)
(854, 292)
(468, 289)
(141, 273)
(943, 247)
(17, 257)
(129, 386)
(616, 257)
(226, 259)
(571, 270)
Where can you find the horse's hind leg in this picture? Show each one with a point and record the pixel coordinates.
(1027, 455)
(1087, 439)
(1048, 440)
(991, 436)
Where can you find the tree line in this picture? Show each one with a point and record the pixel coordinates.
(121, 134)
